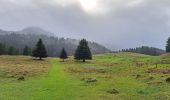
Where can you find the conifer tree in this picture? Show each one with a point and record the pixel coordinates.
(83, 51)
(63, 54)
(40, 50)
(168, 45)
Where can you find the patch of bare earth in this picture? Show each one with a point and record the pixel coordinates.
(159, 71)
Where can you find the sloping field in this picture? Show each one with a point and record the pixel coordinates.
(122, 76)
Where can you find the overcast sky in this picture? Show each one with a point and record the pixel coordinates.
(114, 23)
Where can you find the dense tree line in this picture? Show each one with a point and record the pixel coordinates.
(53, 44)
(145, 50)
(81, 53)
(8, 50)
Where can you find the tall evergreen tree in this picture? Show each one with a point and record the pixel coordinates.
(63, 54)
(168, 45)
(26, 51)
(83, 51)
(40, 50)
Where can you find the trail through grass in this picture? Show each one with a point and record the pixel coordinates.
(57, 85)
(68, 80)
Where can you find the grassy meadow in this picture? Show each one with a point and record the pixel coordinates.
(119, 76)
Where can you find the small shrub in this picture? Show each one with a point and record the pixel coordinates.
(21, 78)
(138, 76)
(168, 80)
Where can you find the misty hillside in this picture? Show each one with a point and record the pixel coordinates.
(35, 30)
(29, 37)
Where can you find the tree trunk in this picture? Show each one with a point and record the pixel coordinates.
(84, 60)
(40, 58)
(63, 60)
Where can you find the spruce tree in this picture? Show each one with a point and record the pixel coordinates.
(83, 51)
(168, 45)
(63, 54)
(40, 50)
(26, 51)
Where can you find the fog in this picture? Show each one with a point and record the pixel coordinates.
(114, 23)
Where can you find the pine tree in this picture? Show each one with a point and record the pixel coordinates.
(63, 54)
(168, 45)
(40, 50)
(83, 51)
(26, 51)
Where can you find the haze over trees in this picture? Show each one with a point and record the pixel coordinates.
(63, 54)
(8, 50)
(54, 44)
(12, 51)
(83, 51)
(40, 50)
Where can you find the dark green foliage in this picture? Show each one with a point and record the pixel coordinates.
(83, 51)
(2, 49)
(168, 80)
(63, 54)
(168, 45)
(12, 51)
(145, 50)
(26, 51)
(53, 44)
(40, 50)
(8, 50)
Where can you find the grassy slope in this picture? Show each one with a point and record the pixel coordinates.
(120, 73)
(53, 86)
(57, 85)
(14, 66)
(66, 81)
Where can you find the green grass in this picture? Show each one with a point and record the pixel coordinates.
(53, 86)
(67, 80)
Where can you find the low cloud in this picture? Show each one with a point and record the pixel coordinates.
(114, 23)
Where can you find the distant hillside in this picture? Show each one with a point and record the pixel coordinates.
(35, 30)
(145, 50)
(30, 36)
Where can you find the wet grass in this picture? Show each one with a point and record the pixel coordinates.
(127, 73)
